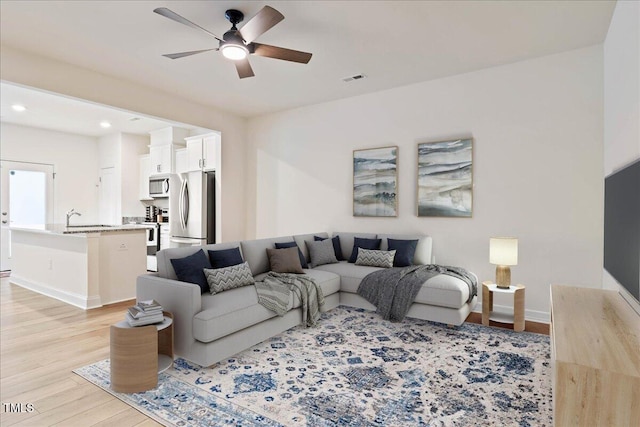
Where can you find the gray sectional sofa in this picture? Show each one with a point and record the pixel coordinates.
(209, 328)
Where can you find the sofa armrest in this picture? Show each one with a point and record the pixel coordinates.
(182, 299)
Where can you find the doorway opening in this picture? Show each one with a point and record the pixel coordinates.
(26, 201)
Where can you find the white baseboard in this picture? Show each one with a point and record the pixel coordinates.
(72, 298)
(531, 315)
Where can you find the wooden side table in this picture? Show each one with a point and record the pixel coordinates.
(139, 354)
(517, 318)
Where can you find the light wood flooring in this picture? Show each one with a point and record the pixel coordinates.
(42, 340)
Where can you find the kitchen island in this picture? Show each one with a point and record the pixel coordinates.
(86, 266)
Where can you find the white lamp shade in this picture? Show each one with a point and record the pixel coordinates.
(503, 250)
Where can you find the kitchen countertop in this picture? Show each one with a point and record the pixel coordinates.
(81, 229)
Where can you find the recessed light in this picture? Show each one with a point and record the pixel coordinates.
(105, 124)
(19, 107)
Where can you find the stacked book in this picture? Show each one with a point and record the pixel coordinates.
(145, 313)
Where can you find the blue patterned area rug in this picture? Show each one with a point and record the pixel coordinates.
(355, 369)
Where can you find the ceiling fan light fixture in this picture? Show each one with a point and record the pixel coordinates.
(234, 52)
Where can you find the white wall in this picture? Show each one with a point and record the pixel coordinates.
(132, 146)
(621, 95)
(537, 127)
(121, 152)
(622, 87)
(109, 153)
(75, 160)
(47, 74)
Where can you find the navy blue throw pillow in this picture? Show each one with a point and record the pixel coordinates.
(191, 269)
(225, 258)
(405, 250)
(336, 246)
(359, 242)
(303, 260)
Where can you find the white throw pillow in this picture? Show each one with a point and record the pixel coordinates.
(375, 258)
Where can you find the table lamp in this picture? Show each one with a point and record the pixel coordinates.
(503, 252)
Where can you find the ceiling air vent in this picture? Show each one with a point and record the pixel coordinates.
(356, 77)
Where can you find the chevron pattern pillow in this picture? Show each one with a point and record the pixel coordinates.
(223, 279)
(374, 258)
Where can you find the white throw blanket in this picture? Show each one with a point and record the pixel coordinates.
(276, 289)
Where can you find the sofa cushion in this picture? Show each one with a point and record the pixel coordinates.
(164, 257)
(375, 258)
(223, 279)
(328, 281)
(445, 291)
(405, 251)
(363, 243)
(225, 257)
(423, 248)
(303, 259)
(337, 249)
(441, 290)
(350, 274)
(346, 241)
(255, 252)
(302, 238)
(284, 260)
(191, 269)
(230, 311)
(321, 252)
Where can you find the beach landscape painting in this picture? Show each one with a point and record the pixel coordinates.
(375, 182)
(445, 178)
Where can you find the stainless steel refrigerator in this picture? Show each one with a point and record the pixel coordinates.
(192, 208)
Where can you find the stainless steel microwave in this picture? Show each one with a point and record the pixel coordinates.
(159, 186)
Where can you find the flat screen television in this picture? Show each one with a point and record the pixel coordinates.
(622, 227)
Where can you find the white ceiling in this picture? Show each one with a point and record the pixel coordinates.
(55, 112)
(394, 43)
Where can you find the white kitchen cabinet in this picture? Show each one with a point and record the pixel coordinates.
(165, 236)
(202, 152)
(181, 160)
(161, 159)
(145, 168)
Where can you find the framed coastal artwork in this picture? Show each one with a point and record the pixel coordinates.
(375, 182)
(445, 186)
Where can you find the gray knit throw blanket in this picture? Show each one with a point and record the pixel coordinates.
(393, 290)
(276, 289)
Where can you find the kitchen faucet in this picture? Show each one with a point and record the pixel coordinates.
(71, 213)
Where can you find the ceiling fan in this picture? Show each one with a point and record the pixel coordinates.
(236, 44)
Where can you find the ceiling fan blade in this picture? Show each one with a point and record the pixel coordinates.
(244, 68)
(167, 13)
(281, 53)
(260, 24)
(183, 54)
